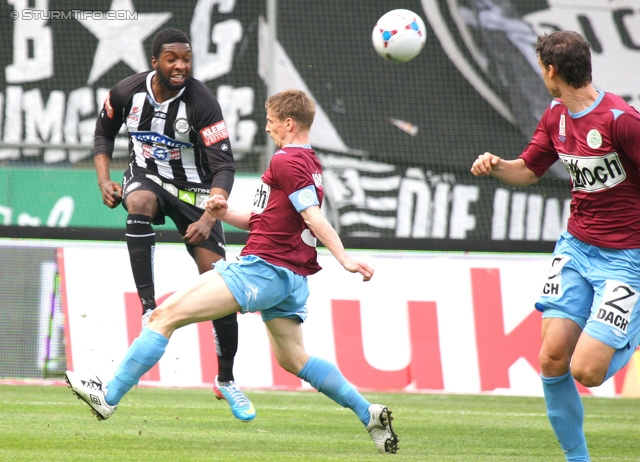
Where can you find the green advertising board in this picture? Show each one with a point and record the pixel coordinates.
(70, 197)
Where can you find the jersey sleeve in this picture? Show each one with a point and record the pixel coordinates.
(213, 137)
(627, 135)
(540, 153)
(109, 121)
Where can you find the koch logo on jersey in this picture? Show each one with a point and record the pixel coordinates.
(596, 173)
(214, 133)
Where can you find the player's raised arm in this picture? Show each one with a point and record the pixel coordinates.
(512, 172)
(323, 230)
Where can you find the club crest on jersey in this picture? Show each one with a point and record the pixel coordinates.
(181, 125)
(306, 197)
(594, 139)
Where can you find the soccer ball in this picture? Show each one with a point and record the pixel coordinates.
(399, 36)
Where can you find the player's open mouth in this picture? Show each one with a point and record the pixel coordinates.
(178, 78)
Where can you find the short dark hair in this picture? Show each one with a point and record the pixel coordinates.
(292, 103)
(570, 53)
(165, 36)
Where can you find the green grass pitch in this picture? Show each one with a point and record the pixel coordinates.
(47, 423)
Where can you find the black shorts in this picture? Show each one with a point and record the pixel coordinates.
(181, 213)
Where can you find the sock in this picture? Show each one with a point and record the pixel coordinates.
(566, 415)
(620, 359)
(143, 354)
(225, 331)
(141, 241)
(328, 380)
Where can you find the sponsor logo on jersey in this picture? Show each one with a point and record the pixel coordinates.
(171, 189)
(317, 179)
(107, 106)
(153, 151)
(261, 198)
(214, 133)
(134, 114)
(155, 179)
(159, 115)
(131, 186)
(159, 139)
(595, 173)
(181, 125)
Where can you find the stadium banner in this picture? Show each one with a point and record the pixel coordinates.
(363, 198)
(475, 87)
(451, 322)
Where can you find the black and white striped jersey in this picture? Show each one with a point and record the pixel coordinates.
(183, 141)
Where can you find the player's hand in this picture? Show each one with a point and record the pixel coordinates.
(216, 206)
(485, 164)
(111, 193)
(355, 266)
(198, 231)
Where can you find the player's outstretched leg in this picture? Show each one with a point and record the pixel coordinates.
(327, 379)
(241, 407)
(93, 392)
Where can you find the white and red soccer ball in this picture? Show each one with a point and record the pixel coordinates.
(399, 35)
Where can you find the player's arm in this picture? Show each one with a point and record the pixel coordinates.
(218, 207)
(107, 126)
(512, 172)
(214, 144)
(323, 230)
(200, 230)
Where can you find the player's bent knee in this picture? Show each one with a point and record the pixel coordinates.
(589, 377)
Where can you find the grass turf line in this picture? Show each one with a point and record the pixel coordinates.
(47, 423)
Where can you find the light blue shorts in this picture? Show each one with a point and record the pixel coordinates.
(597, 288)
(275, 291)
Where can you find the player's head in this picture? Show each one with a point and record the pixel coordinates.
(171, 58)
(294, 104)
(166, 36)
(569, 53)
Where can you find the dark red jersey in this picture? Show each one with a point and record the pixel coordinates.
(278, 234)
(600, 148)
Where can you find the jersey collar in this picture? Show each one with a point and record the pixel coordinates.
(150, 96)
